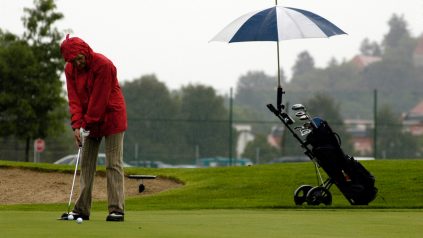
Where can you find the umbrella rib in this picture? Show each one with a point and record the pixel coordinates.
(298, 27)
(263, 22)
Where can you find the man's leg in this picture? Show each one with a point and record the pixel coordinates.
(88, 168)
(114, 173)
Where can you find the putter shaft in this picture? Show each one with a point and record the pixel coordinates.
(74, 176)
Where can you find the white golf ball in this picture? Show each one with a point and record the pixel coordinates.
(79, 220)
(70, 217)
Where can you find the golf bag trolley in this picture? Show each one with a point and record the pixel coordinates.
(323, 147)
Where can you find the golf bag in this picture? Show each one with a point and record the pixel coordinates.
(323, 147)
(355, 182)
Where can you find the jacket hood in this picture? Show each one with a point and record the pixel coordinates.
(72, 46)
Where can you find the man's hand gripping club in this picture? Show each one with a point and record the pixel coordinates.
(80, 134)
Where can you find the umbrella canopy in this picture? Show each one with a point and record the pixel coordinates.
(276, 24)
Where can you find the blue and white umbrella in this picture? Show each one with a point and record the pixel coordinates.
(277, 24)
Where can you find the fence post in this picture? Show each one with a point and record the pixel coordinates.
(375, 123)
(230, 126)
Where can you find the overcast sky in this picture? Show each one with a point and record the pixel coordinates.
(171, 38)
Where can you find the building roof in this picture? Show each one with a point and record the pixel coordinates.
(418, 109)
(362, 61)
(414, 115)
(419, 47)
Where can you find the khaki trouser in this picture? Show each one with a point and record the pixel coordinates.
(114, 173)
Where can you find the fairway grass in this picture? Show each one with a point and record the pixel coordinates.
(234, 202)
(221, 223)
(400, 185)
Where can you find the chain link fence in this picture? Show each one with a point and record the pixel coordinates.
(165, 142)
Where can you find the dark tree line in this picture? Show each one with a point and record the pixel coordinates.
(31, 99)
(174, 126)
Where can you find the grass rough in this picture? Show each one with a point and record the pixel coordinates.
(400, 184)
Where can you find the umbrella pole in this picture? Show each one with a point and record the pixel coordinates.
(279, 90)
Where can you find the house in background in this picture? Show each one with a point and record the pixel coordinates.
(244, 137)
(418, 53)
(362, 61)
(359, 130)
(275, 137)
(413, 120)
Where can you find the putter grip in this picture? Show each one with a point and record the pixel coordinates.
(84, 133)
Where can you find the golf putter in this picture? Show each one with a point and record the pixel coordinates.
(83, 134)
(74, 175)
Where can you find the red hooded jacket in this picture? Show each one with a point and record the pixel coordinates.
(96, 101)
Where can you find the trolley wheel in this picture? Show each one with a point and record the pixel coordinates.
(141, 188)
(319, 195)
(301, 193)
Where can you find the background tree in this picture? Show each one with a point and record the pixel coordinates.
(31, 71)
(255, 90)
(17, 87)
(261, 148)
(390, 78)
(370, 48)
(392, 141)
(206, 120)
(397, 43)
(397, 31)
(303, 64)
(304, 76)
(152, 114)
(43, 36)
(333, 62)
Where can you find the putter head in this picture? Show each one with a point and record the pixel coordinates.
(297, 107)
(64, 217)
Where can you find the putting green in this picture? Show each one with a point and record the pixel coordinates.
(221, 223)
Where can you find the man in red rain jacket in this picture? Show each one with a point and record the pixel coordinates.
(96, 105)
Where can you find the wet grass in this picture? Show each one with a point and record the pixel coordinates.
(400, 184)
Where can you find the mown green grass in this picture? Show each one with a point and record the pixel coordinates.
(236, 202)
(232, 223)
(400, 184)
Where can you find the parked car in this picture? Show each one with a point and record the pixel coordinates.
(71, 160)
(289, 159)
(149, 164)
(223, 162)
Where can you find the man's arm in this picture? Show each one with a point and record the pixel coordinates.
(100, 95)
(75, 107)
